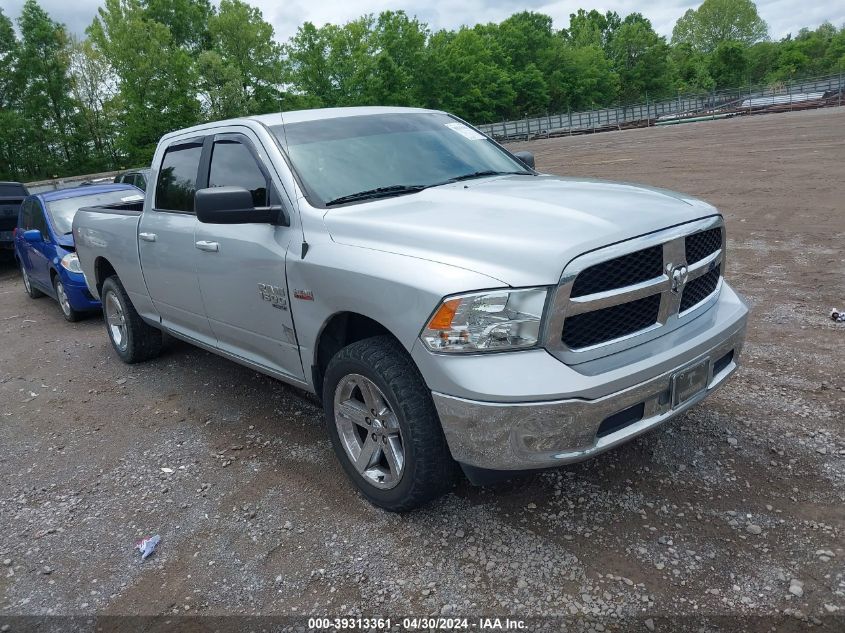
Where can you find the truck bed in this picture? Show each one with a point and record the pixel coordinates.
(108, 236)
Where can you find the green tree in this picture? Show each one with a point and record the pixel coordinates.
(525, 38)
(641, 59)
(308, 66)
(592, 28)
(834, 58)
(187, 21)
(11, 118)
(397, 51)
(718, 21)
(46, 104)
(349, 60)
(157, 79)
(583, 78)
(245, 44)
(525, 42)
(93, 87)
(762, 59)
(221, 88)
(729, 65)
(365, 61)
(8, 58)
(531, 91)
(469, 82)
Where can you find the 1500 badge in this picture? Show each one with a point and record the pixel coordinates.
(274, 294)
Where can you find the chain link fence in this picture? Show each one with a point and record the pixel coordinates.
(799, 94)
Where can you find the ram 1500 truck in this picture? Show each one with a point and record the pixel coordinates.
(449, 304)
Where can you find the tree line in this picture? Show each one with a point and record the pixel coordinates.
(71, 105)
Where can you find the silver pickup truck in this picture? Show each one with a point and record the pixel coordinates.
(450, 305)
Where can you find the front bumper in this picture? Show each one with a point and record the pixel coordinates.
(522, 435)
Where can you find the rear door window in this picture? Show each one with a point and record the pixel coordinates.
(177, 178)
(26, 215)
(233, 165)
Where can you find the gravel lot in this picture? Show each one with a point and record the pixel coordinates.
(731, 516)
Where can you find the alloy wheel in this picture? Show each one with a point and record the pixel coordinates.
(64, 302)
(116, 321)
(26, 283)
(369, 431)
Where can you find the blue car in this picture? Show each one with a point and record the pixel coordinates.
(44, 247)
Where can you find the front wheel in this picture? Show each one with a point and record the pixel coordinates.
(64, 303)
(384, 427)
(133, 339)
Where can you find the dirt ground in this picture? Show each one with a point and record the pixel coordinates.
(732, 516)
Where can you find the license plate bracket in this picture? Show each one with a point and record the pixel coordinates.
(689, 382)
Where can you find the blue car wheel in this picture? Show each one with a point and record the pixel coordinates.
(69, 313)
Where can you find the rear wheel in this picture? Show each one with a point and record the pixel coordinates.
(33, 292)
(133, 339)
(384, 427)
(64, 303)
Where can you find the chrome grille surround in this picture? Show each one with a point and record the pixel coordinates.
(674, 246)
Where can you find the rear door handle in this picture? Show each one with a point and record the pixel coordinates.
(147, 237)
(211, 247)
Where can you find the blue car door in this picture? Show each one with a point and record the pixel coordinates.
(40, 254)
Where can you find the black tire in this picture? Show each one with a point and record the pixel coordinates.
(429, 470)
(142, 341)
(31, 290)
(68, 312)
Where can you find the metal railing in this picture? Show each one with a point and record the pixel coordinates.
(799, 93)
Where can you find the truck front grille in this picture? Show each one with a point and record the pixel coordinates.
(700, 245)
(620, 272)
(648, 284)
(699, 289)
(592, 328)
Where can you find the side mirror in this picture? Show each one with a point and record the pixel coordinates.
(33, 236)
(526, 157)
(232, 205)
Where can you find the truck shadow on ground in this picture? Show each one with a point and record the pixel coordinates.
(248, 400)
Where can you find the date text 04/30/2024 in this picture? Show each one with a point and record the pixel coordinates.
(421, 623)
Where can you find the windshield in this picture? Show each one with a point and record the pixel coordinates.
(401, 152)
(62, 211)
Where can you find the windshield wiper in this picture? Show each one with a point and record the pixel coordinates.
(378, 192)
(487, 172)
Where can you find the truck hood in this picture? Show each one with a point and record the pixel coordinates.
(520, 230)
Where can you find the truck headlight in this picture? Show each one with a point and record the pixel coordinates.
(70, 262)
(486, 321)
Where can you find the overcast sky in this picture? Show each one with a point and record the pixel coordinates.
(783, 16)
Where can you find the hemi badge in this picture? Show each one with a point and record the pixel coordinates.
(305, 295)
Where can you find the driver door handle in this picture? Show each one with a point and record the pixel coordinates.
(211, 247)
(147, 237)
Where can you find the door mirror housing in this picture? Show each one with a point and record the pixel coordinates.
(233, 205)
(33, 236)
(526, 157)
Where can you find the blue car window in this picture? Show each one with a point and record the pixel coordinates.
(39, 222)
(26, 215)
